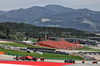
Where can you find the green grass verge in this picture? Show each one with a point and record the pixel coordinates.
(14, 44)
(85, 48)
(33, 40)
(89, 49)
(22, 45)
(45, 55)
(18, 45)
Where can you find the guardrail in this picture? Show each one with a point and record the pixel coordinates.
(58, 59)
(63, 59)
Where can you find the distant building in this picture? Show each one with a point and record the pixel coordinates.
(94, 38)
(54, 38)
(27, 42)
(74, 40)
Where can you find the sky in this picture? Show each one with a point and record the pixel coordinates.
(6, 5)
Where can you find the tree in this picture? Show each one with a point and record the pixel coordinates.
(12, 37)
(3, 35)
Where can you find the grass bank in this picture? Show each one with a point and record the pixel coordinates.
(45, 55)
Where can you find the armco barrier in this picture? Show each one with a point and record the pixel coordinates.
(58, 59)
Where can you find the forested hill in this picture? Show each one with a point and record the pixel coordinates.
(18, 30)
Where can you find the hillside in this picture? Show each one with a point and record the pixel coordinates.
(20, 30)
(55, 16)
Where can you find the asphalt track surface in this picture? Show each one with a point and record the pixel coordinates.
(6, 60)
(84, 65)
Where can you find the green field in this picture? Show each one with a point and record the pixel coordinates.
(17, 45)
(21, 45)
(89, 49)
(85, 48)
(14, 44)
(33, 40)
(45, 55)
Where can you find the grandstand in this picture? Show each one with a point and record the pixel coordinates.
(59, 44)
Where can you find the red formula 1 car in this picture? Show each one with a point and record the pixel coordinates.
(27, 58)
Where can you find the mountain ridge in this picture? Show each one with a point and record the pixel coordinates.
(54, 16)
